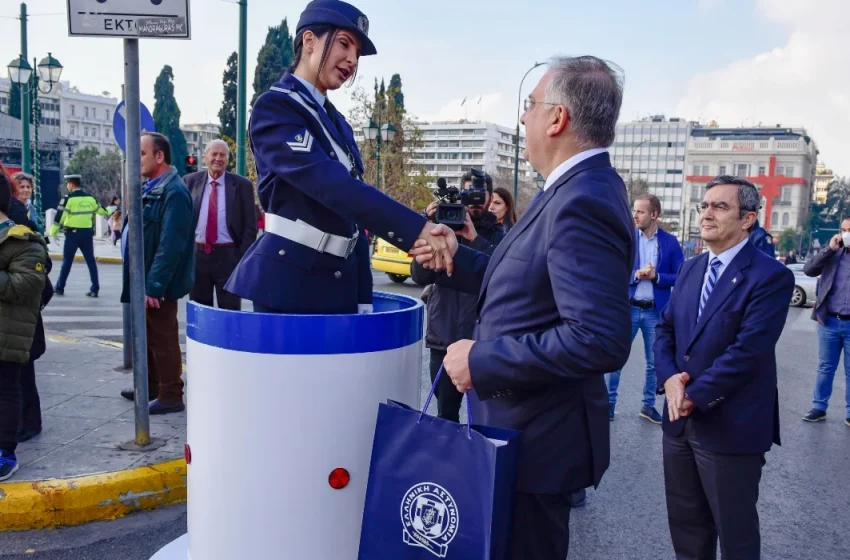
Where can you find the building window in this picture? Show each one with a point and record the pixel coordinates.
(705, 170)
(107, 114)
(696, 170)
(722, 170)
(780, 171)
(789, 171)
(742, 170)
(106, 133)
(87, 112)
(774, 218)
(761, 170)
(785, 218)
(73, 111)
(73, 130)
(85, 131)
(786, 194)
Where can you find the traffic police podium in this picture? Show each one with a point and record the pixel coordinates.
(281, 416)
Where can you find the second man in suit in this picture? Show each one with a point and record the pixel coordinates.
(658, 257)
(226, 225)
(716, 361)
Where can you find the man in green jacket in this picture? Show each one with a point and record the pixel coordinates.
(168, 227)
(76, 214)
(23, 270)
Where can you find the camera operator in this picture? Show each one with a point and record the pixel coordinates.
(451, 314)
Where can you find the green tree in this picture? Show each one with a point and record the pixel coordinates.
(394, 91)
(166, 117)
(227, 113)
(788, 239)
(102, 174)
(275, 58)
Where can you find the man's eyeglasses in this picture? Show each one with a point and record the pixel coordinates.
(718, 207)
(530, 103)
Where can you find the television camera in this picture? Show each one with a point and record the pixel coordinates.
(453, 201)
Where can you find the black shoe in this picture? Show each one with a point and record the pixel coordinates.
(59, 292)
(847, 421)
(91, 294)
(611, 412)
(814, 415)
(158, 408)
(650, 414)
(27, 434)
(130, 395)
(578, 499)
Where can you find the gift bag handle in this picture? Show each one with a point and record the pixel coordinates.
(431, 395)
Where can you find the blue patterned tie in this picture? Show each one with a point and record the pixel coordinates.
(709, 286)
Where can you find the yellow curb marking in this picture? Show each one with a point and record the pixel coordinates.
(74, 501)
(79, 258)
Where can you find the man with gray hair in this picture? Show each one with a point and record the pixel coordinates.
(553, 312)
(715, 356)
(226, 225)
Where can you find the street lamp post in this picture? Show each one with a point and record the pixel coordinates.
(49, 72)
(516, 138)
(20, 72)
(377, 135)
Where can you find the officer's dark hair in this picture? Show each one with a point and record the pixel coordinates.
(319, 30)
(161, 144)
(488, 181)
(74, 181)
(5, 192)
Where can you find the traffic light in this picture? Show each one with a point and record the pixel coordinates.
(191, 164)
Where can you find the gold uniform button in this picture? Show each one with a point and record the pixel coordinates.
(333, 154)
(391, 234)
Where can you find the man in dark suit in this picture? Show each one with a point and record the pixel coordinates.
(715, 355)
(227, 225)
(553, 312)
(832, 312)
(658, 257)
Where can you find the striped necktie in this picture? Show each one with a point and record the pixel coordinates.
(709, 286)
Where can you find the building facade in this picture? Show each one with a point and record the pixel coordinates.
(198, 136)
(450, 149)
(780, 161)
(823, 178)
(653, 151)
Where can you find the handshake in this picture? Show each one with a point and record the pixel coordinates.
(435, 248)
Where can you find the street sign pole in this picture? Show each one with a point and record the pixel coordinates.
(241, 89)
(125, 307)
(135, 248)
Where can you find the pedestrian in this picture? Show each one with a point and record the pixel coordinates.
(553, 314)
(451, 313)
(832, 312)
(502, 206)
(23, 257)
(227, 225)
(25, 188)
(114, 222)
(30, 401)
(76, 214)
(716, 361)
(658, 257)
(168, 228)
(790, 258)
(314, 257)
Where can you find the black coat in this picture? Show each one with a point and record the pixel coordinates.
(452, 314)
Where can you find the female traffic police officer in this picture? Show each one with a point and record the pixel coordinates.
(314, 257)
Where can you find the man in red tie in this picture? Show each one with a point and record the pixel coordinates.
(226, 225)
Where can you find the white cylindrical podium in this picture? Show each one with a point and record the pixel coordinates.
(281, 409)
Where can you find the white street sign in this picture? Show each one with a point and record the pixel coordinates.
(129, 18)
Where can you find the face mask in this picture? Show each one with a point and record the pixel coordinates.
(845, 237)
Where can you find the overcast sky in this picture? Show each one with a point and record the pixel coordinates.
(734, 61)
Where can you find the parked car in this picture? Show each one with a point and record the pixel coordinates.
(392, 260)
(805, 288)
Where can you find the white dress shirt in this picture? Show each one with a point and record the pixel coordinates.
(317, 95)
(201, 229)
(570, 163)
(725, 258)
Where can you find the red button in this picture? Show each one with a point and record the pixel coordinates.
(187, 453)
(339, 479)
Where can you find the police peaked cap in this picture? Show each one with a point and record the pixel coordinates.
(342, 15)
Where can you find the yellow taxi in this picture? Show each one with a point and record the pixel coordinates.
(392, 260)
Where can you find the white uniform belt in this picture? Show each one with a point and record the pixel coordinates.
(304, 234)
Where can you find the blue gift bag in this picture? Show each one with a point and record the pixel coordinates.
(438, 489)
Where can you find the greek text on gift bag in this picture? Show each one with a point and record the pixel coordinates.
(437, 489)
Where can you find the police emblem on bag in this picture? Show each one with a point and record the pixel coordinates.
(363, 25)
(429, 518)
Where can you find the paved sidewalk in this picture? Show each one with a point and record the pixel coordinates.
(85, 418)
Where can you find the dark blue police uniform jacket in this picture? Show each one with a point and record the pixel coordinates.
(554, 318)
(729, 352)
(300, 177)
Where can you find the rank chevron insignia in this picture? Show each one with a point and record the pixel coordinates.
(302, 142)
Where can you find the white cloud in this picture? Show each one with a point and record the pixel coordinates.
(803, 83)
(488, 108)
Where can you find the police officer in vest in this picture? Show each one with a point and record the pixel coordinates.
(762, 240)
(314, 257)
(76, 215)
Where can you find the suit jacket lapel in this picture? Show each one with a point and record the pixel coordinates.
(731, 278)
(229, 199)
(692, 290)
(198, 194)
(600, 160)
